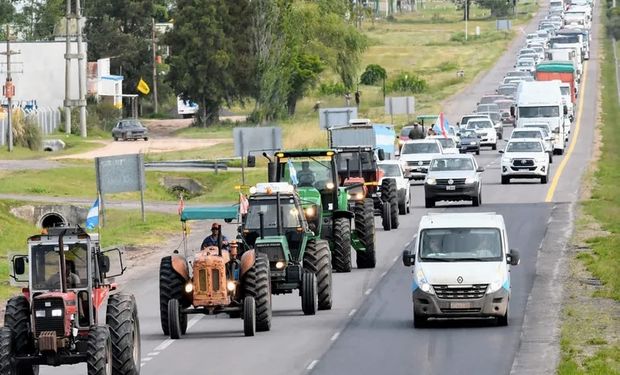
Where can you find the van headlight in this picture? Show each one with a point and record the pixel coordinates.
(431, 181)
(495, 286)
(424, 285)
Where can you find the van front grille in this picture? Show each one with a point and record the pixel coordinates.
(474, 291)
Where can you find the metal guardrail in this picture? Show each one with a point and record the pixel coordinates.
(218, 164)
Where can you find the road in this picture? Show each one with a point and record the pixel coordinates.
(369, 330)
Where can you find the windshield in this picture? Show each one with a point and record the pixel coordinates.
(290, 214)
(354, 159)
(452, 164)
(479, 125)
(460, 244)
(507, 90)
(420, 148)
(565, 90)
(447, 142)
(468, 134)
(526, 134)
(565, 39)
(390, 170)
(524, 147)
(495, 116)
(310, 171)
(504, 105)
(405, 131)
(533, 112)
(46, 266)
(525, 63)
(488, 99)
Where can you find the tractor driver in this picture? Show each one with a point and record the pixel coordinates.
(73, 280)
(212, 239)
(306, 176)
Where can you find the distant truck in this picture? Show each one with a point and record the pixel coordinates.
(362, 132)
(558, 70)
(186, 108)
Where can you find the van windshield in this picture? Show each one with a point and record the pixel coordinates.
(461, 245)
(533, 112)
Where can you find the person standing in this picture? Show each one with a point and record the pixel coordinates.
(416, 132)
(357, 98)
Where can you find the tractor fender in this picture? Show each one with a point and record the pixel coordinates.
(179, 265)
(247, 261)
(348, 214)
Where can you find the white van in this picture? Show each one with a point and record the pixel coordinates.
(461, 267)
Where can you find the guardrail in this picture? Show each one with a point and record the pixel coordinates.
(216, 165)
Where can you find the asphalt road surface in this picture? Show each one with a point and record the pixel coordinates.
(369, 330)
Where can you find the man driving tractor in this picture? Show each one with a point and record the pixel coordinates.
(212, 239)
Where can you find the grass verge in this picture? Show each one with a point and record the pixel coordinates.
(74, 144)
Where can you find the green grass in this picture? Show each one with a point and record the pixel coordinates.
(74, 145)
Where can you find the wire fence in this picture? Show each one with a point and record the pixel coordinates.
(47, 119)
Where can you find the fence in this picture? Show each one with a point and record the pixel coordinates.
(47, 118)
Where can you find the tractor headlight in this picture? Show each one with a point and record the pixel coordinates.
(348, 196)
(329, 185)
(39, 313)
(280, 265)
(359, 196)
(189, 287)
(231, 286)
(310, 211)
(56, 313)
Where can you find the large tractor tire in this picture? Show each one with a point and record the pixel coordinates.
(389, 194)
(365, 231)
(17, 320)
(341, 251)
(99, 352)
(316, 260)
(257, 284)
(170, 287)
(309, 297)
(6, 353)
(386, 216)
(249, 316)
(122, 319)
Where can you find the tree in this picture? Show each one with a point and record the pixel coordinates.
(7, 12)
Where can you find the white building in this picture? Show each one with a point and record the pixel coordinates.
(105, 86)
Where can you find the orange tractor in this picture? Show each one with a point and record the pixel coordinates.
(214, 280)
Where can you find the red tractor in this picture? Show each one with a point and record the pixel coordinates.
(69, 312)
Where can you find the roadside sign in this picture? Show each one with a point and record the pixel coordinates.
(336, 117)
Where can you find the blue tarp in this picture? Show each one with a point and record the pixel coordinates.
(210, 213)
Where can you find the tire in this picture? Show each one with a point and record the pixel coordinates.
(122, 320)
(170, 287)
(115, 139)
(502, 321)
(309, 297)
(402, 204)
(429, 203)
(174, 319)
(316, 260)
(365, 232)
(249, 316)
(543, 180)
(419, 321)
(478, 151)
(475, 201)
(17, 320)
(341, 251)
(6, 353)
(550, 158)
(386, 217)
(99, 351)
(561, 152)
(146, 139)
(257, 284)
(494, 147)
(505, 180)
(389, 194)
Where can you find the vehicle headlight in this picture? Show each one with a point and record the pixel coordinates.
(329, 185)
(231, 285)
(471, 180)
(189, 287)
(359, 196)
(541, 160)
(56, 313)
(473, 143)
(431, 181)
(280, 265)
(495, 286)
(310, 211)
(348, 196)
(424, 285)
(39, 313)
(506, 160)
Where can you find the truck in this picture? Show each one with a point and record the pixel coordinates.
(542, 102)
(570, 41)
(558, 70)
(362, 132)
(186, 108)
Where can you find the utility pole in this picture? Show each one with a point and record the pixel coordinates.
(81, 70)
(154, 47)
(67, 71)
(9, 89)
(79, 56)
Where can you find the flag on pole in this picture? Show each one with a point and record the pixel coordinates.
(92, 219)
(244, 204)
(441, 125)
(143, 87)
(292, 172)
(181, 205)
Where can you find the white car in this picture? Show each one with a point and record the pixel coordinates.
(526, 65)
(449, 144)
(538, 133)
(525, 158)
(394, 169)
(416, 156)
(484, 127)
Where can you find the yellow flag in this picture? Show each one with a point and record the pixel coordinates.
(143, 87)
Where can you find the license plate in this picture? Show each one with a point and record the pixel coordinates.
(460, 305)
(449, 187)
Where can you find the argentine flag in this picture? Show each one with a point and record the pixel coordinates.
(292, 172)
(441, 125)
(92, 219)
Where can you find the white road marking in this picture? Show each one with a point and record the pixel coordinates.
(368, 291)
(153, 354)
(194, 320)
(312, 364)
(335, 336)
(383, 274)
(395, 259)
(352, 312)
(163, 345)
(146, 359)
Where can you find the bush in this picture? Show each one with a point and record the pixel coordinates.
(335, 89)
(613, 25)
(447, 66)
(407, 83)
(373, 74)
(26, 133)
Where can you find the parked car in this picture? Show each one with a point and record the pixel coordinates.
(470, 142)
(394, 169)
(127, 129)
(453, 178)
(525, 158)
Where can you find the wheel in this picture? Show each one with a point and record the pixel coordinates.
(99, 351)
(257, 284)
(309, 298)
(503, 320)
(494, 146)
(115, 138)
(475, 201)
(174, 319)
(365, 233)
(122, 320)
(550, 158)
(341, 251)
(17, 320)
(429, 202)
(170, 287)
(543, 180)
(402, 203)
(419, 321)
(505, 180)
(249, 316)
(500, 136)
(389, 194)
(478, 151)
(316, 260)
(561, 151)
(6, 353)
(409, 203)
(386, 217)
(146, 138)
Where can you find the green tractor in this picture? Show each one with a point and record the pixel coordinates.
(314, 174)
(275, 225)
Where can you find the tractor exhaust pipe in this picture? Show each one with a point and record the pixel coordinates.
(261, 222)
(63, 266)
(278, 214)
(219, 239)
(348, 168)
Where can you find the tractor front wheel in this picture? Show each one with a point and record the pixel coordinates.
(17, 320)
(174, 319)
(257, 284)
(6, 353)
(365, 231)
(316, 260)
(122, 319)
(386, 216)
(249, 316)
(99, 351)
(309, 297)
(170, 287)
(389, 195)
(341, 251)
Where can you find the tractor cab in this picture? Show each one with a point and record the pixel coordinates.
(357, 165)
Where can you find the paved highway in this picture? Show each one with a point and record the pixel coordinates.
(369, 330)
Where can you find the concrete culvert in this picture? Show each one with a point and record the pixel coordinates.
(52, 220)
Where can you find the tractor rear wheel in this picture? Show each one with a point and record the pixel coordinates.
(365, 231)
(122, 319)
(341, 251)
(99, 351)
(309, 298)
(257, 284)
(6, 353)
(17, 320)
(249, 316)
(170, 287)
(389, 194)
(174, 319)
(316, 260)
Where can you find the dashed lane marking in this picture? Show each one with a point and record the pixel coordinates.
(312, 364)
(368, 291)
(383, 274)
(395, 259)
(335, 336)
(352, 312)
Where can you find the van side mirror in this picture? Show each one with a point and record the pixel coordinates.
(480, 169)
(513, 258)
(512, 111)
(501, 151)
(408, 258)
(251, 161)
(381, 154)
